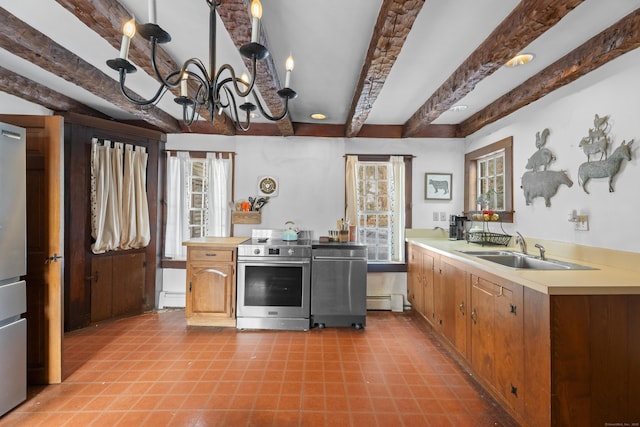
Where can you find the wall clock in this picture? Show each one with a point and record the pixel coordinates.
(268, 186)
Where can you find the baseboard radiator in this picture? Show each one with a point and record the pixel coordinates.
(391, 302)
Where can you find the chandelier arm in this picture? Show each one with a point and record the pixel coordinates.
(137, 101)
(267, 115)
(234, 111)
(235, 80)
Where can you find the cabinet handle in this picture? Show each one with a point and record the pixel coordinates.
(461, 307)
(208, 254)
(474, 316)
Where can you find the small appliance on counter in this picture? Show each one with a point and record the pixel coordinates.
(457, 227)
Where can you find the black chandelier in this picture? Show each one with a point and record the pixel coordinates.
(216, 89)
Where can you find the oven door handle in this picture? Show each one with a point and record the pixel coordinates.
(271, 262)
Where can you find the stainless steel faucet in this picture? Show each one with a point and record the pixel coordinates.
(520, 241)
(542, 250)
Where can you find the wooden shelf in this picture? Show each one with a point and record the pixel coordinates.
(242, 217)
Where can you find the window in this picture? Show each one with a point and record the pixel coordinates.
(378, 203)
(489, 179)
(199, 194)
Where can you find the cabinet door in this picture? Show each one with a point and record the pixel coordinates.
(129, 273)
(428, 263)
(211, 290)
(414, 279)
(483, 333)
(450, 302)
(496, 337)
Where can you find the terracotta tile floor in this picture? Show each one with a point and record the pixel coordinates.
(152, 370)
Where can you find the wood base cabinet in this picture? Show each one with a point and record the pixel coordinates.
(549, 360)
(211, 286)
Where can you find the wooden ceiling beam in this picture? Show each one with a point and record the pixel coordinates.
(237, 21)
(106, 18)
(28, 43)
(29, 90)
(395, 20)
(528, 20)
(620, 38)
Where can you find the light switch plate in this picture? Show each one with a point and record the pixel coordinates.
(443, 216)
(435, 216)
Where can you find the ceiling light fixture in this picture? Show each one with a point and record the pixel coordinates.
(216, 88)
(457, 108)
(520, 59)
(318, 116)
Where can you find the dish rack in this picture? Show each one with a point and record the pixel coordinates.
(487, 237)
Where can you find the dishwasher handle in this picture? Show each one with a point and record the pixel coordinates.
(334, 258)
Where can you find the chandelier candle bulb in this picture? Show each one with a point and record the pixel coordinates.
(152, 11)
(183, 84)
(288, 65)
(128, 31)
(256, 13)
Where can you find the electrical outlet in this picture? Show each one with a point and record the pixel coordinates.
(443, 216)
(435, 216)
(582, 223)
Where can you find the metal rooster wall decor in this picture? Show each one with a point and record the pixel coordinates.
(598, 142)
(542, 183)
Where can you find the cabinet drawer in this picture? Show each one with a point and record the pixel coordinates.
(204, 254)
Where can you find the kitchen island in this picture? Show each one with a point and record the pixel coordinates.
(553, 347)
(211, 281)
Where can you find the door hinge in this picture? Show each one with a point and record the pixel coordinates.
(512, 309)
(189, 286)
(514, 390)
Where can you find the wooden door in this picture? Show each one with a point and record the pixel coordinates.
(101, 288)
(413, 275)
(451, 305)
(44, 246)
(128, 283)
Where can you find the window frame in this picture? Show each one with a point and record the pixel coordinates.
(471, 176)
(408, 185)
(182, 263)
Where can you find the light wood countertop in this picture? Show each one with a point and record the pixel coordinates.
(218, 242)
(619, 277)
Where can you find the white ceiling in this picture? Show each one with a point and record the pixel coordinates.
(329, 41)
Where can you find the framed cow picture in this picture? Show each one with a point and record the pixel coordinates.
(437, 186)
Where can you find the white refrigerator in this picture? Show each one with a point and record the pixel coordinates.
(13, 265)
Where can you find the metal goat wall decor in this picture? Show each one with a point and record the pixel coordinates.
(604, 168)
(597, 141)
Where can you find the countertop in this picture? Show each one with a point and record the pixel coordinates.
(606, 280)
(223, 242)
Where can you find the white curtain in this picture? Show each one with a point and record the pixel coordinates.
(351, 189)
(119, 211)
(177, 226)
(218, 195)
(397, 245)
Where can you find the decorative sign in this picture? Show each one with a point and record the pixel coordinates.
(268, 186)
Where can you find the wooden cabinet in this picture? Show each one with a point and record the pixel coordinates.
(117, 285)
(496, 337)
(451, 304)
(211, 286)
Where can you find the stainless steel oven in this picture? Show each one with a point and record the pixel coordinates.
(274, 285)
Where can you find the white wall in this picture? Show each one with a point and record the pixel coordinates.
(614, 90)
(311, 174)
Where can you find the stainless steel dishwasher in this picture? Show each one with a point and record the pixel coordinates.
(339, 285)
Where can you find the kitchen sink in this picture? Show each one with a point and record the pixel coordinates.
(520, 260)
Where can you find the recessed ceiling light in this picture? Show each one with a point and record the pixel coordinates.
(520, 59)
(318, 116)
(457, 108)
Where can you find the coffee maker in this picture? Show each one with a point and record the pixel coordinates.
(456, 227)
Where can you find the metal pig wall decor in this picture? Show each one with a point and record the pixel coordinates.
(598, 141)
(542, 183)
